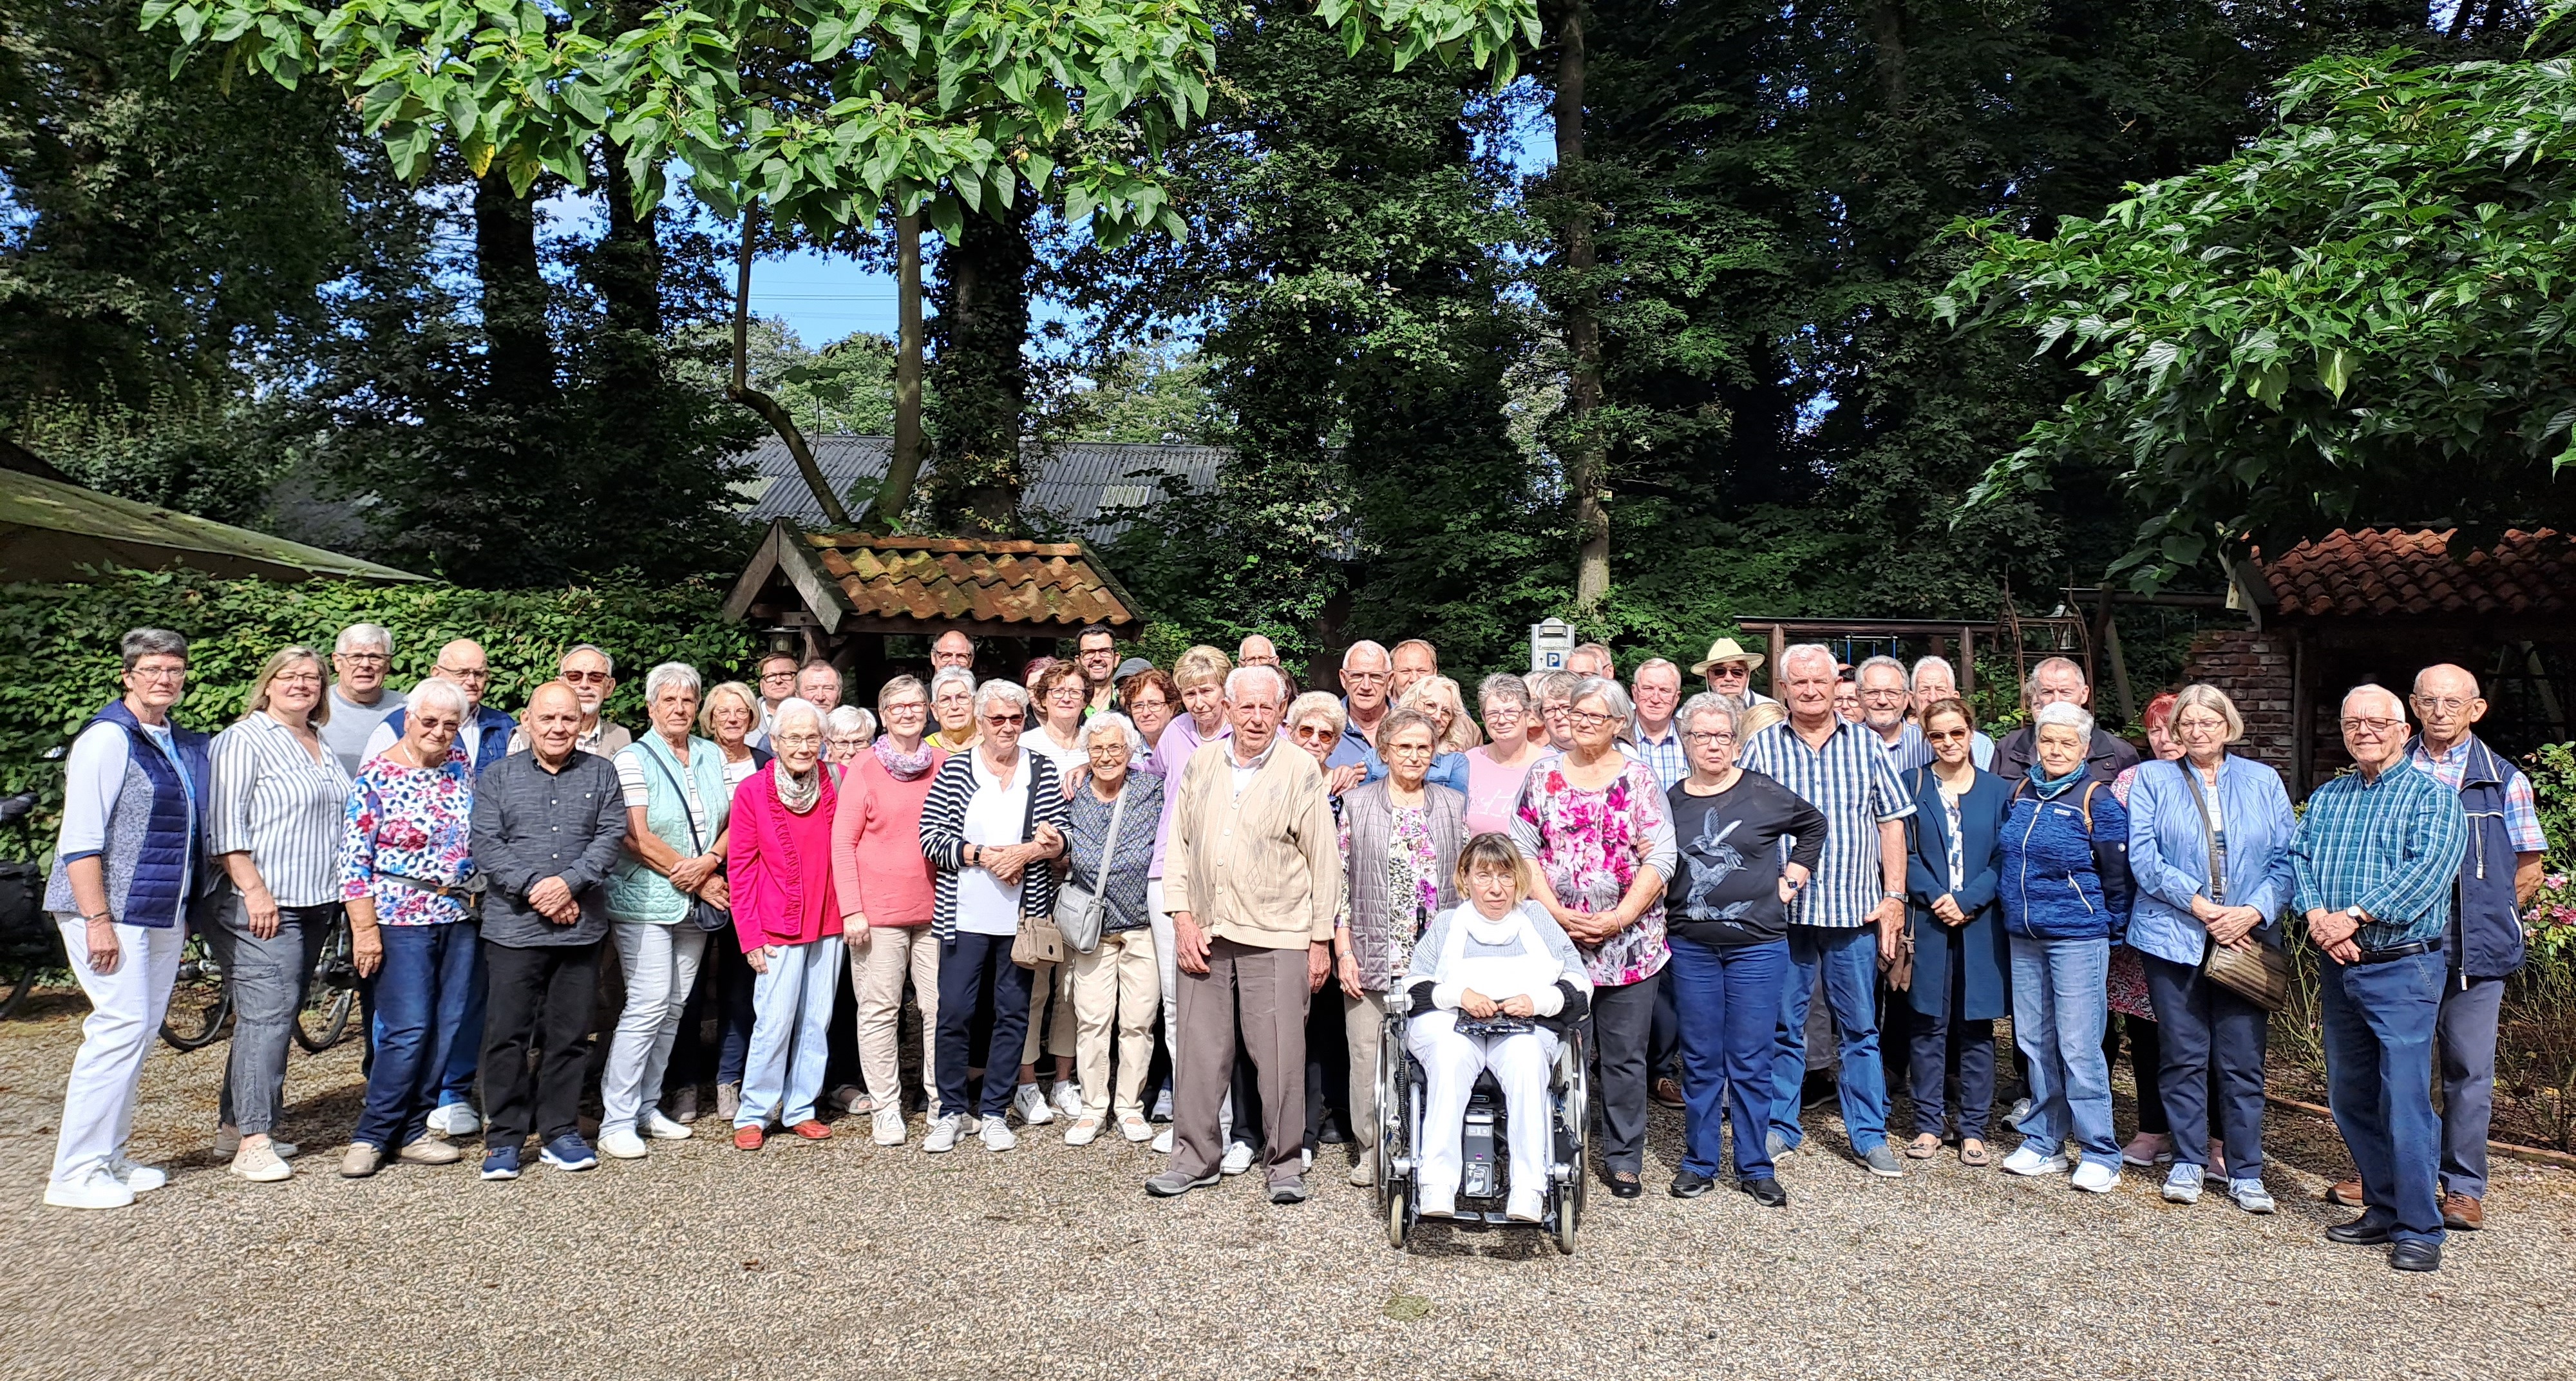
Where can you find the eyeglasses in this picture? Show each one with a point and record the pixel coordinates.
(462, 674)
(1108, 752)
(1313, 733)
(1945, 736)
(1717, 736)
(1157, 703)
(768, 676)
(905, 707)
(795, 740)
(300, 679)
(584, 678)
(1408, 750)
(1585, 719)
(2446, 704)
(1089, 653)
(1729, 671)
(2204, 725)
(362, 659)
(2372, 728)
(177, 673)
(1001, 721)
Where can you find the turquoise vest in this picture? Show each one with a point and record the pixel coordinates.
(637, 894)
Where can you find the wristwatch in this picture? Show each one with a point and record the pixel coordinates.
(1891, 896)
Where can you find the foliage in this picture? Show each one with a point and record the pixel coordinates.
(2357, 319)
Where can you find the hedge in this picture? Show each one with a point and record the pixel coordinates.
(58, 659)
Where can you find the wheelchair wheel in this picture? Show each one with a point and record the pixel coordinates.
(1399, 1218)
(1575, 1129)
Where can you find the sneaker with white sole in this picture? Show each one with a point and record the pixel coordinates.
(997, 1135)
(943, 1136)
(2093, 1177)
(1084, 1131)
(2028, 1161)
(142, 1179)
(455, 1119)
(661, 1128)
(1163, 1142)
(569, 1152)
(97, 1189)
(260, 1164)
(2182, 1185)
(1067, 1097)
(1880, 1160)
(1238, 1158)
(621, 1143)
(1162, 1105)
(885, 1126)
(1031, 1105)
(2250, 1195)
(1135, 1128)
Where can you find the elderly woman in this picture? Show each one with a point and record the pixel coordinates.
(1062, 700)
(952, 708)
(847, 730)
(1115, 815)
(2133, 1011)
(130, 860)
(1495, 769)
(668, 887)
(1726, 907)
(2065, 895)
(407, 877)
(1437, 699)
(887, 898)
(728, 718)
(1198, 685)
(1962, 965)
(991, 815)
(1491, 986)
(1598, 827)
(279, 801)
(787, 917)
(1553, 690)
(1401, 837)
(2209, 842)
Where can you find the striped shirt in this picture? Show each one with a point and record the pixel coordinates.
(1664, 756)
(1850, 780)
(2390, 845)
(943, 832)
(272, 800)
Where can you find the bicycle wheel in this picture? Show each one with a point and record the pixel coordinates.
(200, 1003)
(18, 973)
(323, 1020)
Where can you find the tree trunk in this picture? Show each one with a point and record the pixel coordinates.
(903, 468)
(1887, 37)
(626, 271)
(519, 354)
(739, 389)
(983, 324)
(1587, 471)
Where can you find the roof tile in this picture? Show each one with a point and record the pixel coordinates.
(1051, 586)
(2391, 571)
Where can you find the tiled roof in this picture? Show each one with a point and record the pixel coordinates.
(2379, 572)
(964, 580)
(1077, 482)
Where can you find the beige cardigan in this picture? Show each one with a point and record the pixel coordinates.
(1263, 869)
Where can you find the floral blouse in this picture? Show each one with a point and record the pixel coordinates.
(1589, 846)
(416, 822)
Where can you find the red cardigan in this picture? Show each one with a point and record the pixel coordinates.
(779, 865)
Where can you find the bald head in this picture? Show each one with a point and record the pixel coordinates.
(2447, 704)
(1256, 651)
(463, 663)
(553, 721)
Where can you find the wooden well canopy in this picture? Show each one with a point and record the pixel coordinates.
(833, 587)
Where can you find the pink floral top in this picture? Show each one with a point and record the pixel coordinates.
(417, 822)
(1589, 846)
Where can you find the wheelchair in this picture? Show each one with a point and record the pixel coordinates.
(1485, 1154)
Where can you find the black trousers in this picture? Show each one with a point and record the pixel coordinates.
(540, 1000)
(1623, 1020)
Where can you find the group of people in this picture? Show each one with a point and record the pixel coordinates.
(1108, 869)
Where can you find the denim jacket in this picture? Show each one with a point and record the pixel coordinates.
(2169, 856)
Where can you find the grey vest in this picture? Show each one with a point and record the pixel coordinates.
(1374, 913)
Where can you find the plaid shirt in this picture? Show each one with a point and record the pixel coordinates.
(1663, 757)
(2521, 813)
(2390, 845)
(1850, 780)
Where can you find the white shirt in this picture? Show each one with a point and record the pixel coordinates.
(997, 813)
(1244, 771)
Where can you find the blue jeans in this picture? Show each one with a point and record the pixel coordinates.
(465, 1057)
(784, 1072)
(2379, 1022)
(2060, 1003)
(420, 993)
(1727, 1000)
(1849, 962)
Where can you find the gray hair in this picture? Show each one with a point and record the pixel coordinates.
(358, 635)
(1112, 720)
(2203, 696)
(904, 685)
(1558, 684)
(1364, 645)
(2395, 701)
(1914, 681)
(1011, 693)
(1607, 690)
(798, 707)
(1235, 680)
(850, 719)
(960, 675)
(1651, 663)
(1883, 660)
(1504, 687)
(670, 674)
(139, 643)
(2045, 663)
(436, 692)
(1312, 704)
(2065, 712)
(595, 650)
(1801, 651)
(1710, 702)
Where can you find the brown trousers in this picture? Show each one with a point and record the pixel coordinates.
(1269, 987)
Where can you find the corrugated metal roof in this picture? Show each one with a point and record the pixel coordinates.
(1076, 481)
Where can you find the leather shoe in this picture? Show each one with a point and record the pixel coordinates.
(2346, 1193)
(1667, 1092)
(2462, 1213)
(2364, 1231)
(812, 1130)
(2416, 1256)
(1690, 1184)
(1624, 1184)
(1765, 1191)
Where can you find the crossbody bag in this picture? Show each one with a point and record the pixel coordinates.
(703, 914)
(1078, 910)
(2260, 975)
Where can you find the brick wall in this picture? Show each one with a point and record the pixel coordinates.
(2254, 669)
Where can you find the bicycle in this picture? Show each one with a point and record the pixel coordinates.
(323, 1021)
(201, 1003)
(29, 944)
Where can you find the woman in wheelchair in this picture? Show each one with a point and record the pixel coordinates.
(1492, 985)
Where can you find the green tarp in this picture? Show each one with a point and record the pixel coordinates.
(50, 530)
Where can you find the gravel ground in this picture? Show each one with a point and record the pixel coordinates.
(849, 1259)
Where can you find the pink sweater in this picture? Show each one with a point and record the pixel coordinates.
(779, 865)
(877, 863)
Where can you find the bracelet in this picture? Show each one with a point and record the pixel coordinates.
(93, 919)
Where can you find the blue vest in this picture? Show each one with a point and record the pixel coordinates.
(492, 727)
(2486, 923)
(163, 856)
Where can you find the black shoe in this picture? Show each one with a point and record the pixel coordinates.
(1333, 1134)
(1626, 1185)
(1820, 1087)
(1690, 1184)
(2416, 1256)
(1765, 1191)
(2364, 1231)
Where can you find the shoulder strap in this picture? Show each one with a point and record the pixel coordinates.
(2208, 833)
(2085, 804)
(646, 751)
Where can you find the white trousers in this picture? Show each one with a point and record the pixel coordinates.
(1450, 1063)
(126, 1008)
(661, 964)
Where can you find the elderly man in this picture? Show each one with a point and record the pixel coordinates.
(1846, 918)
(486, 735)
(1253, 878)
(1416, 660)
(2485, 943)
(592, 676)
(360, 697)
(1657, 691)
(548, 823)
(952, 649)
(1367, 671)
(1095, 650)
(819, 681)
(2372, 869)
(1592, 659)
(2051, 682)
(1729, 669)
(1256, 651)
(1934, 682)
(1885, 696)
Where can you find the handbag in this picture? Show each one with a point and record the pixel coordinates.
(1077, 909)
(1037, 940)
(703, 914)
(2260, 975)
(1900, 970)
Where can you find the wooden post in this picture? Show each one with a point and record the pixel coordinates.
(2119, 664)
(1779, 645)
(1967, 661)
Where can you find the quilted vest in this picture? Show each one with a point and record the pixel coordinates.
(155, 851)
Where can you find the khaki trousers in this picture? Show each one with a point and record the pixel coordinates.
(1268, 987)
(1116, 987)
(877, 971)
(1050, 1015)
(1363, 1023)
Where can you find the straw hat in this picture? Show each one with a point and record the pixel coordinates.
(1726, 650)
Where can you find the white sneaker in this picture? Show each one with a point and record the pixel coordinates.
(1163, 1142)
(2029, 1162)
(438, 1120)
(1162, 1105)
(943, 1135)
(622, 1143)
(2093, 1177)
(1307, 1160)
(2182, 1185)
(1437, 1206)
(1135, 1128)
(99, 1190)
(885, 1126)
(662, 1128)
(456, 1119)
(1083, 1132)
(997, 1136)
(142, 1179)
(1067, 1097)
(1238, 1158)
(1526, 1205)
(1031, 1105)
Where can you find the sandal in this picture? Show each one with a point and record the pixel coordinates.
(1973, 1153)
(1923, 1147)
